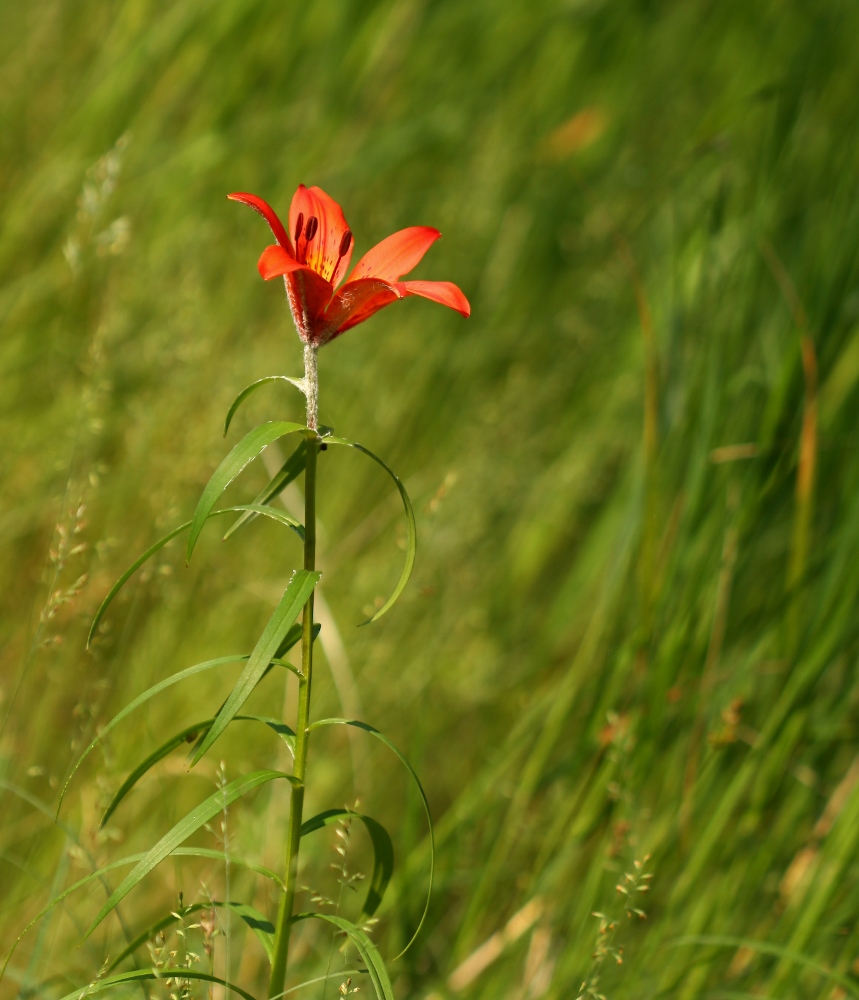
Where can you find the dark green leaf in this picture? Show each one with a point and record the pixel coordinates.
(365, 948)
(244, 452)
(187, 826)
(411, 539)
(294, 598)
(249, 389)
(188, 735)
(404, 760)
(250, 510)
(383, 853)
(290, 470)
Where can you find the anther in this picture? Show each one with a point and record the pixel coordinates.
(346, 242)
(312, 226)
(299, 225)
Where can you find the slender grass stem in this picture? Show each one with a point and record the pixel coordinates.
(283, 928)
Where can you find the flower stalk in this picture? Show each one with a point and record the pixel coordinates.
(283, 928)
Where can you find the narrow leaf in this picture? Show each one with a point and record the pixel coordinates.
(365, 948)
(244, 452)
(187, 826)
(383, 853)
(413, 774)
(138, 975)
(290, 470)
(259, 924)
(250, 510)
(249, 389)
(294, 598)
(411, 536)
(188, 735)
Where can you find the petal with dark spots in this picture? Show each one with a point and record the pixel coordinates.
(322, 250)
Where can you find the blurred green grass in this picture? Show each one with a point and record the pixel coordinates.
(601, 653)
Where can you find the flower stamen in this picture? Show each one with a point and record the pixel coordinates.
(312, 226)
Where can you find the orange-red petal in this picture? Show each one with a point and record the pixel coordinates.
(276, 260)
(322, 252)
(357, 301)
(268, 213)
(396, 255)
(444, 292)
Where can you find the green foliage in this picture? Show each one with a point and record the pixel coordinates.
(607, 648)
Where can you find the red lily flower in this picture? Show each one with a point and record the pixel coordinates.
(316, 259)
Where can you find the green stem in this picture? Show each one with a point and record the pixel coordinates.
(277, 982)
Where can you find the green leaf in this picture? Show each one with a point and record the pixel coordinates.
(290, 470)
(365, 948)
(383, 852)
(765, 948)
(138, 975)
(259, 924)
(150, 693)
(244, 452)
(250, 510)
(412, 773)
(187, 826)
(411, 540)
(294, 598)
(188, 735)
(249, 389)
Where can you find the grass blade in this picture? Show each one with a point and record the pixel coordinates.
(188, 735)
(250, 510)
(138, 975)
(243, 453)
(411, 539)
(249, 389)
(294, 598)
(290, 470)
(383, 853)
(188, 825)
(413, 774)
(259, 924)
(365, 948)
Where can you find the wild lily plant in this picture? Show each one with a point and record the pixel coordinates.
(313, 257)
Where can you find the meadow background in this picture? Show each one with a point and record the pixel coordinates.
(632, 628)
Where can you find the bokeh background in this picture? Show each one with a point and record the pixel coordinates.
(632, 627)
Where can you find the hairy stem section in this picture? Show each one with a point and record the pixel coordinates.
(277, 983)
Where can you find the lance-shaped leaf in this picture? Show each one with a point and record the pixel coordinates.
(294, 598)
(383, 853)
(292, 636)
(184, 736)
(417, 781)
(244, 452)
(187, 826)
(262, 927)
(249, 389)
(365, 948)
(411, 532)
(289, 471)
(141, 975)
(250, 510)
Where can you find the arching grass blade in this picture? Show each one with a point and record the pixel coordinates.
(256, 921)
(383, 853)
(294, 598)
(250, 509)
(290, 470)
(365, 948)
(413, 774)
(243, 453)
(187, 826)
(141, 975)
(252, 388)
(188, 735)
(411, 537)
